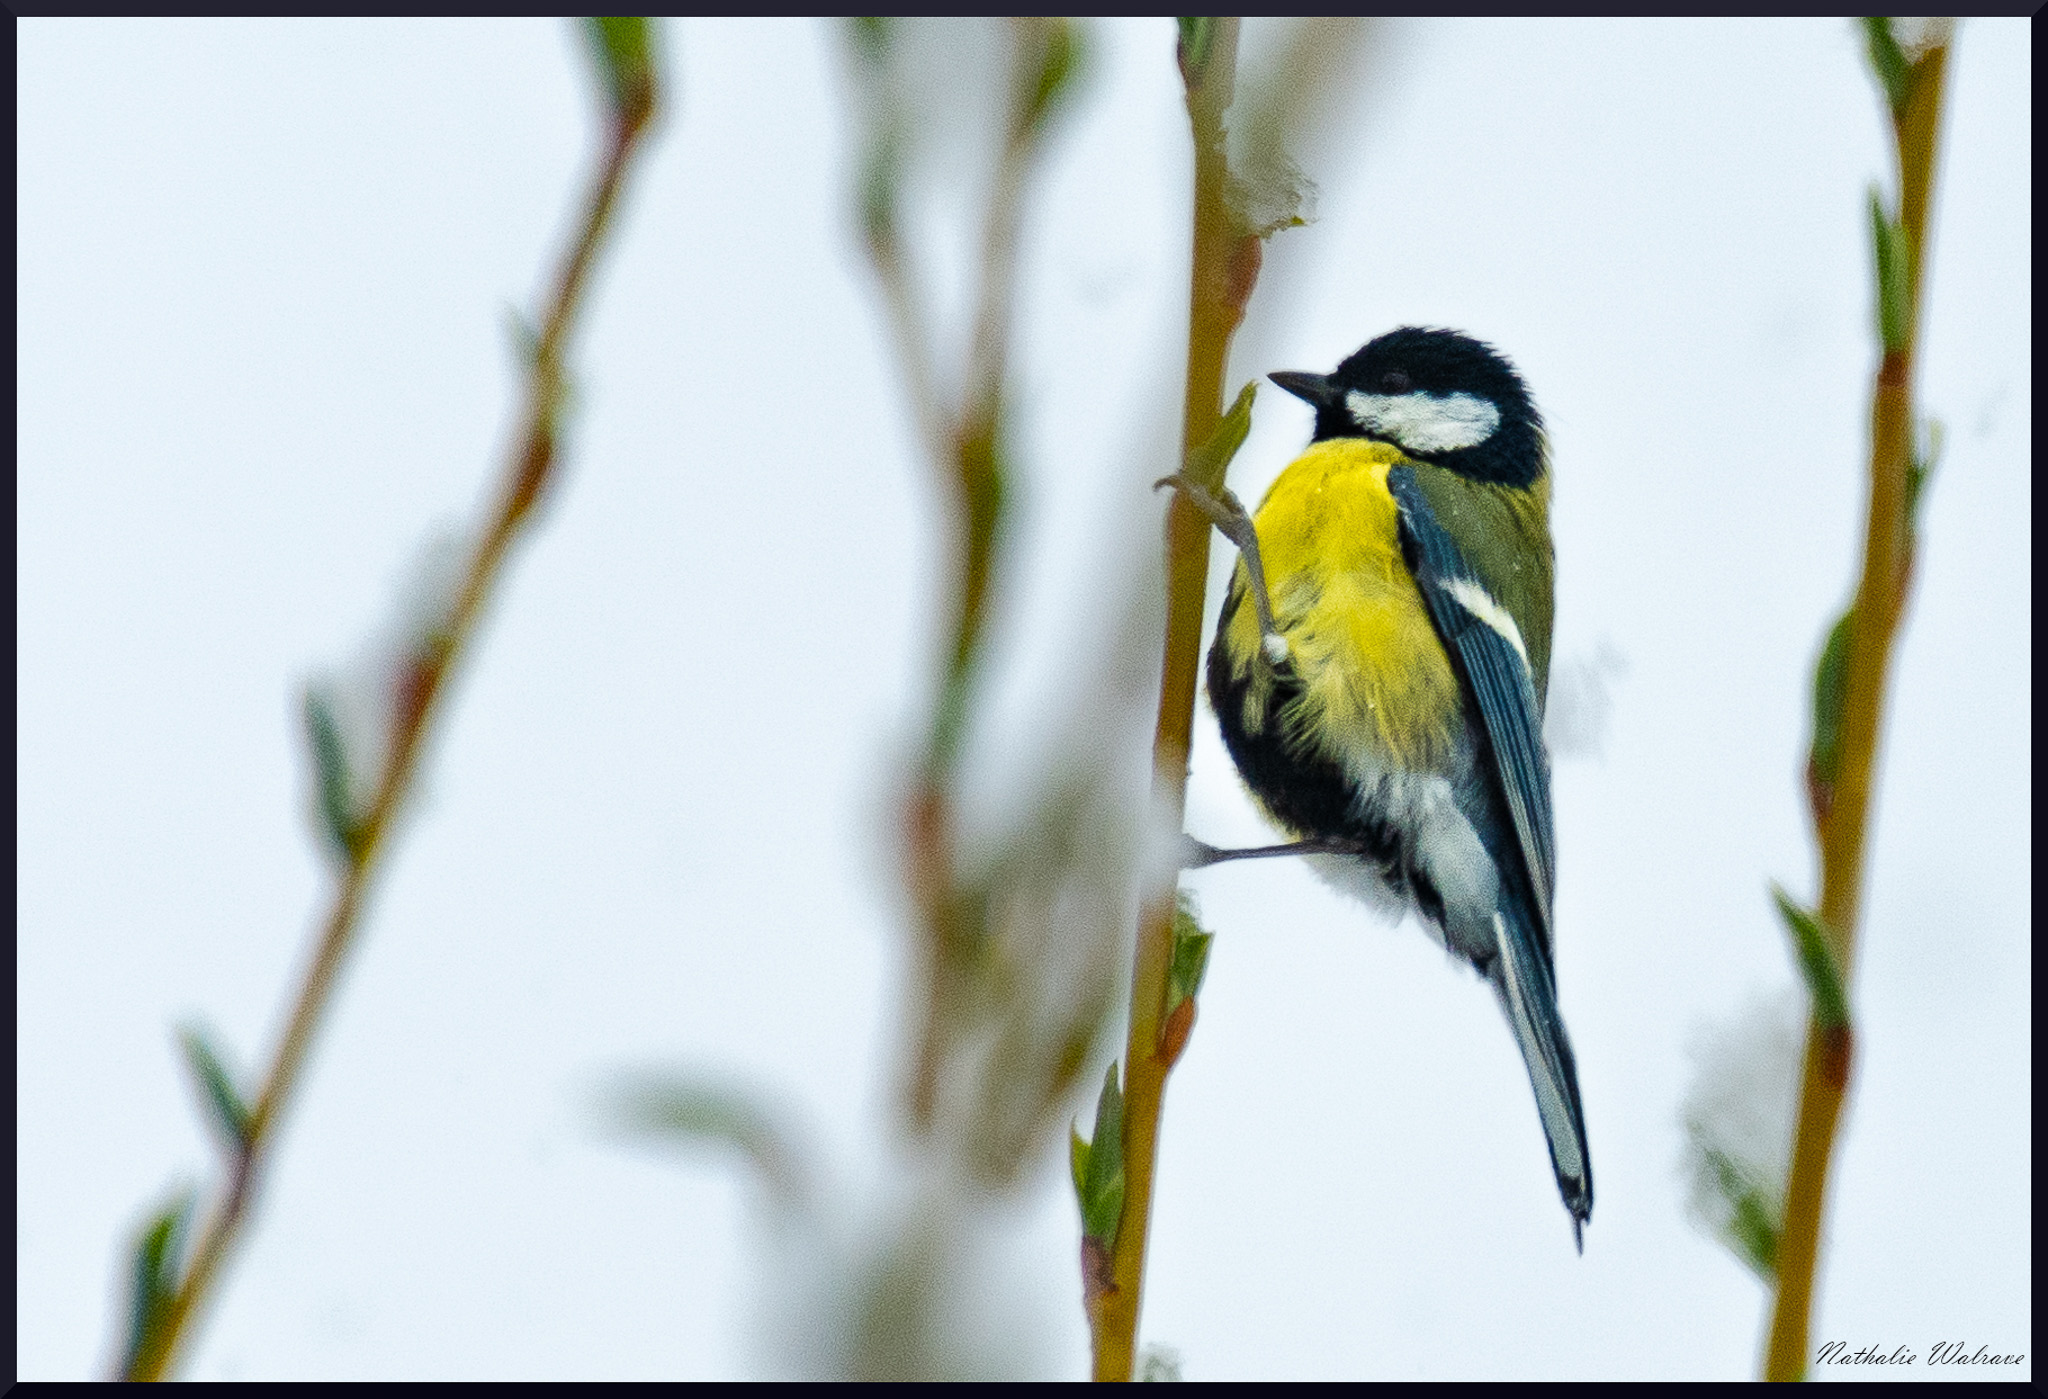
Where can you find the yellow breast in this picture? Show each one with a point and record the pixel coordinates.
(1376, 682)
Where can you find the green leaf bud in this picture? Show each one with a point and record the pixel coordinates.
(1816, 961)
(231, 1114)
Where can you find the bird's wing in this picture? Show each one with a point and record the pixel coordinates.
(1490, 650)
(1491, 653)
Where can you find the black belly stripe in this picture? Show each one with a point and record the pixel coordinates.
(1304, 791)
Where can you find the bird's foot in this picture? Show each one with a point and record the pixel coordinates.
(1227, 513)
(1196, 855)
(1224, 509)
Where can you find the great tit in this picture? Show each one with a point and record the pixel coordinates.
(1380, 667)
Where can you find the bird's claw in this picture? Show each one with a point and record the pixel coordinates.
(1227, 513)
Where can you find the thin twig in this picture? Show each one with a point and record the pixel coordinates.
(1843, 820)
(1224, 268)
(527, 472)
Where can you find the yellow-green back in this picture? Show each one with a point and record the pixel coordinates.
(1504, 534)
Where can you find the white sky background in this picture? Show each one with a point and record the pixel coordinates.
(262, 273)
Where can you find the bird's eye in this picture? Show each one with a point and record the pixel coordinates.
(1395, 381)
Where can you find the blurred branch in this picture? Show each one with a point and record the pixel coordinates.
(1017, 940)
(1850, 686)
(964, 440)
(166, 1310)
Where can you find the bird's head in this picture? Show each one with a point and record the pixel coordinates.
(1439, 395)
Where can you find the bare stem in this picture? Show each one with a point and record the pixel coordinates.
(527, 471)
(1843, 821)
(1224, 269)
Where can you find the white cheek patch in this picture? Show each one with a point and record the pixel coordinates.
(1425, 422)
(1480, 604)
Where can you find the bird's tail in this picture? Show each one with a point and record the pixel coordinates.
(1521, 978)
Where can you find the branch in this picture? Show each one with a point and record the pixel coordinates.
(1225, 268)
(1843, 787)
(166, 1320)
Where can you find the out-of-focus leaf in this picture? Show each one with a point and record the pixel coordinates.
(1888, 62)
(871, 35)
(230, 1113)
(1159, 1364)
(1816, 961)
(694, 1113)
(1738, 1120)
(624, 48)
(1208, 462)
(1099, 1165)
(1060, 65)
(331, 774)
(1197, 38)
(1751, 1227)
(880, 170)
(1830, 677)
(880, 164)
(1894, 278)
(154, 1278)
(987, 473)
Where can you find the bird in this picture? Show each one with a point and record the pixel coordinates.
(1380, 666)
